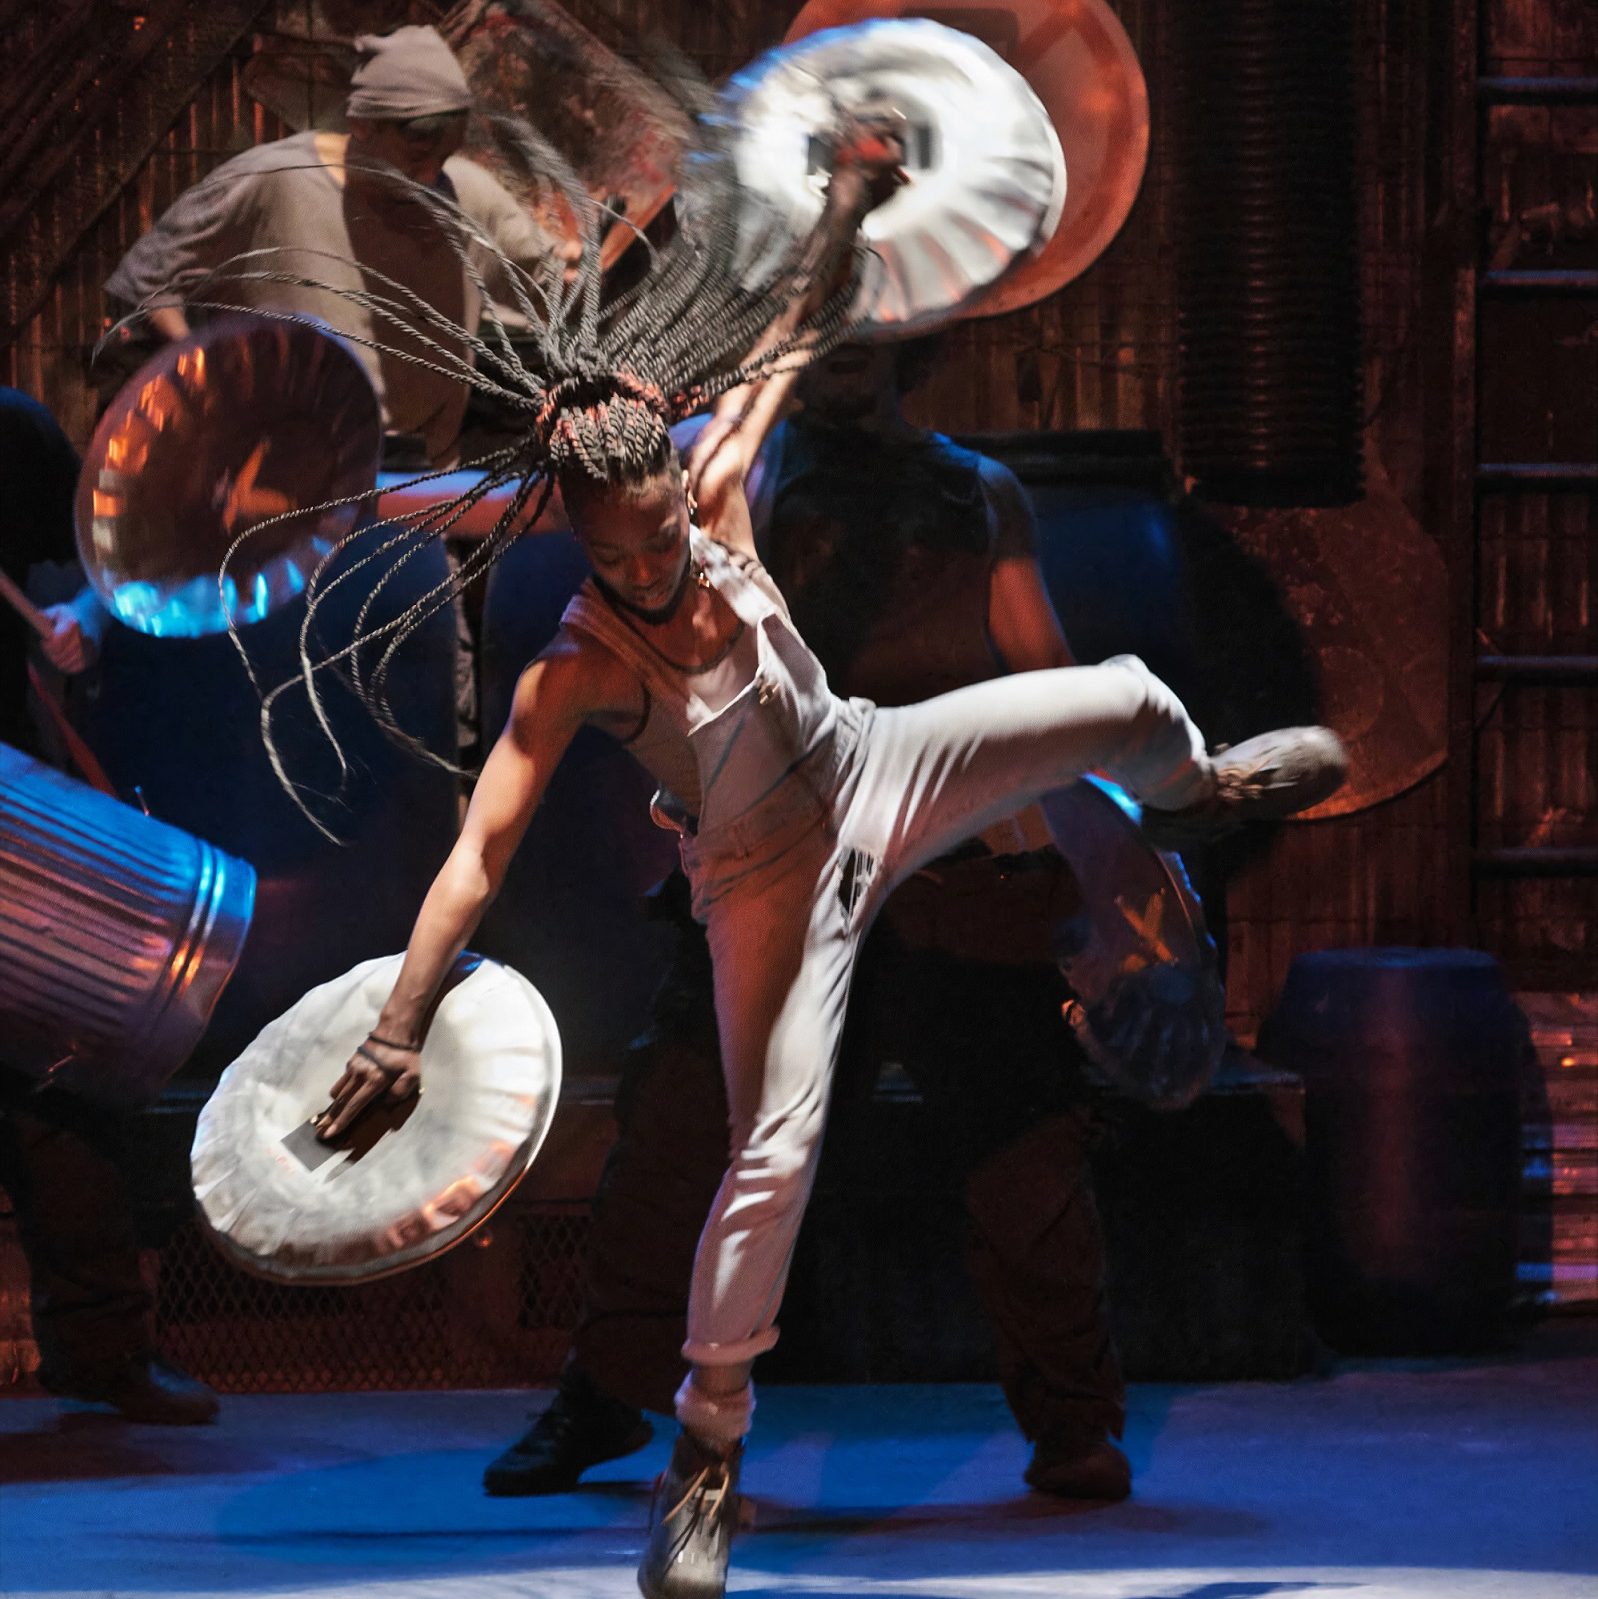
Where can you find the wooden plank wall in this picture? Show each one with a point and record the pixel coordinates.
(1538, 568)
(1102, 354)
(51, 357)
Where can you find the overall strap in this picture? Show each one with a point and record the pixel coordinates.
(589, 612)
(732, 576)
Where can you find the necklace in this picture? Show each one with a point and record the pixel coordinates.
(687, 668)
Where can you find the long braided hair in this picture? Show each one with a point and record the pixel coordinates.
(596, 387)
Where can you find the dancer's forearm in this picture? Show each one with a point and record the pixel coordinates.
(454, 906)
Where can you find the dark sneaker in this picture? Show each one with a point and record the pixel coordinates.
(695, 1512)
(582, 1426)
(152, 1390)
(1260, 780)
(1079, 1463)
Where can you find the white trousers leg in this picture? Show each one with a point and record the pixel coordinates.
(784, 931)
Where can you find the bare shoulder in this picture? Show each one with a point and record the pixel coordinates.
(573, 680)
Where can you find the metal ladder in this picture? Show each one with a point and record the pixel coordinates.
(1469, 479)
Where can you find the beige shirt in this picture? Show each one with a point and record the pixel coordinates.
(284, 198)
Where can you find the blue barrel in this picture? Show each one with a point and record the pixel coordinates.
(1411, 1060)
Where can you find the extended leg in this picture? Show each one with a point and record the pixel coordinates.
(91, 1309)
(939, 772)
(994, 1061)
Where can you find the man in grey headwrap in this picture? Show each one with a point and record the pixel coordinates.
(332, 208)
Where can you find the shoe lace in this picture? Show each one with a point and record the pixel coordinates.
(1235, 781)
(711, 1497)
(1233, 784)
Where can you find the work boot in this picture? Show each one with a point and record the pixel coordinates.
(691, 1522)
(1260, 780)
(147, 1389)
(1079, 1463)
(582, 1427)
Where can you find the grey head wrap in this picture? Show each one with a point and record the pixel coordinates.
(408, 73)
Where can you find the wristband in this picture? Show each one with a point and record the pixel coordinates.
(389, 1043)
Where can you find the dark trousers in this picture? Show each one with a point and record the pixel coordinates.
(62, 1161)
(986, 1048)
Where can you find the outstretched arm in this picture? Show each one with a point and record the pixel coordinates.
(865, 172)
(550, 705)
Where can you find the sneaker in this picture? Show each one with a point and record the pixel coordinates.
(1079, 1463)
(582, 1427)
(149, 1390)
(1260, 780)
(695, 1512)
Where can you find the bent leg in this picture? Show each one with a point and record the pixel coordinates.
(941, 771)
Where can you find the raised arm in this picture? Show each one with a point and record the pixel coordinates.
(865, 172)
(552, 701)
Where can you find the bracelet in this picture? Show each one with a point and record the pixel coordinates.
(389, 1043)
(381, 1065)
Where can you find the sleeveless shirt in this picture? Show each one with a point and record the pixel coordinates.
(717, 754)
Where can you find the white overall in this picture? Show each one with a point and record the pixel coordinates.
(809, 810)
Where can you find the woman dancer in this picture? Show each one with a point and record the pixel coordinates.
(797, 811)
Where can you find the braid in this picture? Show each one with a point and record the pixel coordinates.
(598, 385)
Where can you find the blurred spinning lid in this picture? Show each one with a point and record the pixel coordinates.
(1077, 59)
(246, 423)
(987, 179)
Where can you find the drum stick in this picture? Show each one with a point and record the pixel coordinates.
(94, 774)
(82, 756)
(24, 607)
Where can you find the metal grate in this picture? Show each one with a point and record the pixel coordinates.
(496, 1312)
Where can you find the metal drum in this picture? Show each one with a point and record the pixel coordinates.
(988, 179)
(408, 1181)
(246, 424)
(117, 935)
(1411, 1060)
(1150, 1011)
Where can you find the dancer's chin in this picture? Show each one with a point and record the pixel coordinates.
(653, 614)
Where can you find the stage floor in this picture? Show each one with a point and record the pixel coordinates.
(1449, 1480)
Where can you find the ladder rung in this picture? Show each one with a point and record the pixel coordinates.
(1538, 91)
(1537, 474)
(1578, 861)
(1545, 669)
(1540, 281)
